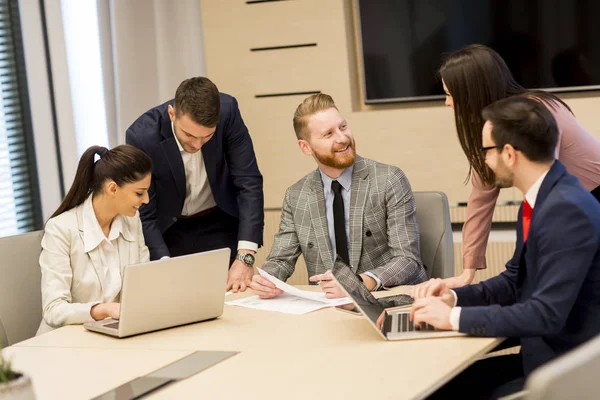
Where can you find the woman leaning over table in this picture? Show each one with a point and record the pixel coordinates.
(473, 78)
(93, 235)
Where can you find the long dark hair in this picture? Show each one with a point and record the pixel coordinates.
(123, 164)
(476, 76)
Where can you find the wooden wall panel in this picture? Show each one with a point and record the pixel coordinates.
(418, 137)
(497, 254)
(502, 213)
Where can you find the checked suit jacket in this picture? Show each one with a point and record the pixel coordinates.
(384, 234)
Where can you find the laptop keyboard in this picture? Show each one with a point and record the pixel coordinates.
(402, 323)
(113, 325)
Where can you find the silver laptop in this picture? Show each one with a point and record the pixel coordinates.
(396, 323)
(169, 292)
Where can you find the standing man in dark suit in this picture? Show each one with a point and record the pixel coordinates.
(207, 191)
(549, 295)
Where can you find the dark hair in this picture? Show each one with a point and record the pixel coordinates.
(123, 164)
(199, 99)
(526, 124)
(476, 76)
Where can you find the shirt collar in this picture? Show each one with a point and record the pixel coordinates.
(532, 193)
(92, 232)
(176, 138)
(345, 179)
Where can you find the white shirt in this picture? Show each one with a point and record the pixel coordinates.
(198, 195)
(532, 193)
(107, 248)
(531, 197)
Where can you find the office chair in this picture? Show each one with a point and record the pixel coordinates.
(571, 376)
(20, 286)
(435, 233)
(3, 340)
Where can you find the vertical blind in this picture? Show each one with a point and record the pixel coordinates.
(19, 194)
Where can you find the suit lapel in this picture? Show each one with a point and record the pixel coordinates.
(554, 174)
(358, 199)
(173, 155)
(318, 217)
(209, 154)
(94, 254)
(123, 245)
(520, 246)
(97, 262)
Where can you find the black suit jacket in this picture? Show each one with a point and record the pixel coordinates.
(231, 167)
(549, 295)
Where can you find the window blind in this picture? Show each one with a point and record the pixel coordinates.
(20, 209)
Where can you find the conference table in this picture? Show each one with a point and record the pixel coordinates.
(324, 354)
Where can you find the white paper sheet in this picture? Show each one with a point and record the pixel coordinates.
(285, 303)
(292, 301)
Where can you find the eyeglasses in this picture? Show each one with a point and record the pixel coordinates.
(484, 150)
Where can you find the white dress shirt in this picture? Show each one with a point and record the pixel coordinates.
(108, 251)
(198, 194)
(531, 197)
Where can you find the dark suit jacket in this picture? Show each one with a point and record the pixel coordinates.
(231, 167)
(549, 295)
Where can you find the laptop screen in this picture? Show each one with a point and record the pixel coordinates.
(395, 323)
(357, 291)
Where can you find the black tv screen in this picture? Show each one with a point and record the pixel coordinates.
(547, 44)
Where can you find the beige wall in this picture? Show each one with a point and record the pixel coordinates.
(156, 45)
(418, 137)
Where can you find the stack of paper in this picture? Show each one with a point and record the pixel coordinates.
(292, 301)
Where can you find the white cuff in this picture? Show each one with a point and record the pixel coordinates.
(455, 297)
(163, 257)
(246, 245)
(372, 275)
(455, 317)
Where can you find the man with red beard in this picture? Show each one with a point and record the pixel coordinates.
(350, 210)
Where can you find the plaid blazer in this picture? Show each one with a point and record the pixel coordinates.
(384, 237)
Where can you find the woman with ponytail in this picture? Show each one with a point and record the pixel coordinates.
(473, 78)
(93, 235)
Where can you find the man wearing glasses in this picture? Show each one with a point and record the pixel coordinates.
(549, 295)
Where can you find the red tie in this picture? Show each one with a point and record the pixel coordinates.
(526, 219)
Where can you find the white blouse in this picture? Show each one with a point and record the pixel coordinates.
(81, 267)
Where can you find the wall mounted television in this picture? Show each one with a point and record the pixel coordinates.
(547, 44)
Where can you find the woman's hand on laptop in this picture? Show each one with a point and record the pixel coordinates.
(106, 310)
(328, 285)
(264, 288)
